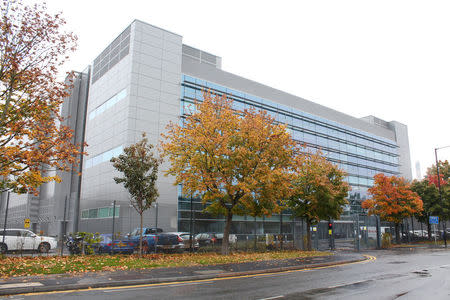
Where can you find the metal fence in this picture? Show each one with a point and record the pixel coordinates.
(351, 233)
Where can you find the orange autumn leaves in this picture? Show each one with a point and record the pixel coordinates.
(228, 158)
(238, 162)
(392, 199)
(32, 137)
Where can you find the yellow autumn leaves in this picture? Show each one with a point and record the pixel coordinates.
(29, 266)
(237, 162)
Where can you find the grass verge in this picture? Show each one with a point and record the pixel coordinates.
(28, 266)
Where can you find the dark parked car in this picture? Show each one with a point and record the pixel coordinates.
(205, 239)
(119, 245)
(165, 242)
(186, 240)
(146, 230)
(169, 242)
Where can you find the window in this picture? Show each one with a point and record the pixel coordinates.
(99, 213)
(111, 212)
(93, 213)
(363, 181)
(108, 104)
(103, 212)
(353, 180)
(13, 233)
(103, 157)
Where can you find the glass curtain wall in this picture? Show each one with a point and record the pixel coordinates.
(360, 154)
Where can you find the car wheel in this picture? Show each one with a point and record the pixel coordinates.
(3, 248)
(43, 248)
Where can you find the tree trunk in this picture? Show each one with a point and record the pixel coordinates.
(140, 234)
(429, 229)
(308, 235)
(226, 234)
(397, 233)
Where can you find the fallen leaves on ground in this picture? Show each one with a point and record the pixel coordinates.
(28, 266)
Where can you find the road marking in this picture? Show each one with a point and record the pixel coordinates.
(18, 285)
(155, 287)
(368, 258)
(347, 284)
(270, 298)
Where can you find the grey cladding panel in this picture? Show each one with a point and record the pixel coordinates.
(117, 50)
(191, 51)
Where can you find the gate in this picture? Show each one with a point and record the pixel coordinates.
(357, 232)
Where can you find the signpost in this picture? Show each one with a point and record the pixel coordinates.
(26, 223)
(434, 221)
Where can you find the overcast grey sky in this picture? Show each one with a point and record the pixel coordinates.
(390, 59)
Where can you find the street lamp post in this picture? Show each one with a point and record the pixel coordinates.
(129, 216)
(439, 188)
(281, 230)
(156, 215)
(63, 229)
(191, 228)
(113, 221)
(6, 219)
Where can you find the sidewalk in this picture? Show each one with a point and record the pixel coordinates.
(45, 283)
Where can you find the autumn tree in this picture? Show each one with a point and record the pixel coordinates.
(319, 190)
(432, 206)
(428, 190)
(444, 181)
(392, 200)
(32, 47)
(236, 161)
(140, 173)
(444, 170)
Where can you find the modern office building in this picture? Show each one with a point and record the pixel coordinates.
(146, 78)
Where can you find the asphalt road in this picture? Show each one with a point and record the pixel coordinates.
(401, 274)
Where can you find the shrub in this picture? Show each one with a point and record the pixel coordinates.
(89, 241)
(386, 240)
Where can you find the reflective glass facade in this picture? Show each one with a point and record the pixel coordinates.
(359, 153)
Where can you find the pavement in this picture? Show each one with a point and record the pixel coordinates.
(67, 282)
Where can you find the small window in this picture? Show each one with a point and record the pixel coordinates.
(116, 213)
(12, 232)
(26, 233)
(106, 238)
(103, 212)
(93, 213)
(85, 214)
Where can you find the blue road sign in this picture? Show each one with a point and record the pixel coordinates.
(434, 220)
